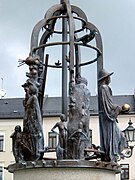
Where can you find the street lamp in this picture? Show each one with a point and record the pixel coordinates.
(129, 133)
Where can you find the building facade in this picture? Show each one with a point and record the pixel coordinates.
(12, 112)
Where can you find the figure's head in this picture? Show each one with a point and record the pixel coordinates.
(107, 80)
(17, 128)
(63, 117)
(104, 76)
(25, 86)
(33, 86)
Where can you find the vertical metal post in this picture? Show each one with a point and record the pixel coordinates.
(64, 67)
(99, 63)
(100, 58)
(78, 61)
(41, 95)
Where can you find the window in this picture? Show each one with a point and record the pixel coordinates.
(124, 171)
(1, 142)
(52, 141)
(1, 173)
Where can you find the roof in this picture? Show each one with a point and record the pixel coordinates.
(13, 107)
(52, 106)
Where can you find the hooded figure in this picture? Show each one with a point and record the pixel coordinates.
(111, 137)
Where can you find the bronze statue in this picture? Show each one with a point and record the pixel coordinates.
(111, 138)
(31, 142)
(61, 148)
(79, 115)
(32, 124)
(17, 144)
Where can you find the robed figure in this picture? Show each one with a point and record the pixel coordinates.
(111, 138)
(32, 124)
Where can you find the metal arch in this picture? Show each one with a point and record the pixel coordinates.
(40, 52)
(98, 44)
(69, 9)
(99, 64)
(50, 16)
(79, 12)
(35, 33)
(62, 17)
(74, 9)
(52, 10)
(43, 74)
(42, 23)
(65, 16)
(44, 39)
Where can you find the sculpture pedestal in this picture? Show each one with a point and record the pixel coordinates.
(65, 169)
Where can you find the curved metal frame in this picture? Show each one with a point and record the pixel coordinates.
(65, 11)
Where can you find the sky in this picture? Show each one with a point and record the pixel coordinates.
(115, 21)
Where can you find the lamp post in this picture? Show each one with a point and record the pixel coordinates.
(129, 133)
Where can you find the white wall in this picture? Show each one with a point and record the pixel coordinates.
(7, 127)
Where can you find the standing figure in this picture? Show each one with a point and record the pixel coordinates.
(17, 146)
(62, 136)
(111, 138)
(32, 124)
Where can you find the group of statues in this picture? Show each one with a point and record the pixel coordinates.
(28, 144)
(74, 132)
(74, 135)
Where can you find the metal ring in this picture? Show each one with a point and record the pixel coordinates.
(77, 43)
(81, 64)
(66, 42)
(64, 16)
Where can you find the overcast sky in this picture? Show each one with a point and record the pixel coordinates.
(115, 19)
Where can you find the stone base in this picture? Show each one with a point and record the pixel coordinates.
(64, 170)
